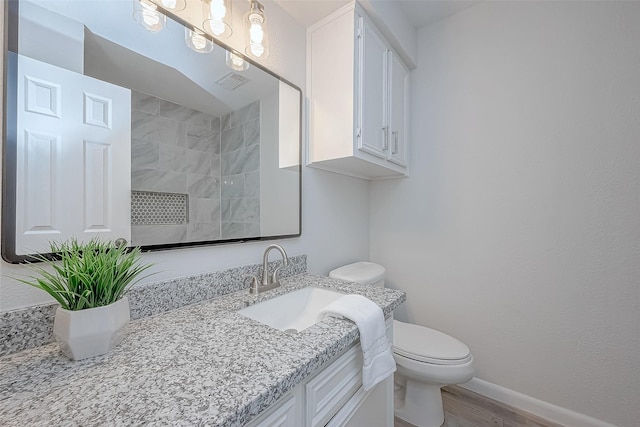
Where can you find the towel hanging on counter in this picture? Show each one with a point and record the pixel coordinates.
(376, 348)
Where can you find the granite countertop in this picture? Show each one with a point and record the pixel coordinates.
(202, 364)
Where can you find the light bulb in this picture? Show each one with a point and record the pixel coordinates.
(257, 38)
(147, 15)
(218, 10)
(217, 16)
(257, 35)
(217, 27)
(150, 17)
(236, 62)
(169, 4)
(197, 41)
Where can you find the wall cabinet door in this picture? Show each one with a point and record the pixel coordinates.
(351, 125)
(399, 95)
(372, 79)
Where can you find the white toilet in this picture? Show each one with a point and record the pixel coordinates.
(426, 359)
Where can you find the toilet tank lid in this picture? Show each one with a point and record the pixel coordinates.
(363, 272)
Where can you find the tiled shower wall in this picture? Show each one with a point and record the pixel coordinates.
(241, 172)
(216, 163)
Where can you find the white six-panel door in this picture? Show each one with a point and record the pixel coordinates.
(73, 157)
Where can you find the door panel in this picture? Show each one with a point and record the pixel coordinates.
(72, 133)
(372, 83)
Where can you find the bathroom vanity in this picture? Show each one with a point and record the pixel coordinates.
(205, 364)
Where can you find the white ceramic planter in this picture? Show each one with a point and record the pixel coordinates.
(93, 331)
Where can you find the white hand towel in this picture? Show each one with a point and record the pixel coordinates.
(376, 349)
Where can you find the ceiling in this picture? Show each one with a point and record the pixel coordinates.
(419, 12)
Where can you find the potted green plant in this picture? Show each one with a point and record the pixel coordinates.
(89, 280)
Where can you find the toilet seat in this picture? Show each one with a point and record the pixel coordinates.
(428, 345)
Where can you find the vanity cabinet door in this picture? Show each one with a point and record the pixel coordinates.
(332, 388)
(283, 415)
(399, 95)
(372, 134)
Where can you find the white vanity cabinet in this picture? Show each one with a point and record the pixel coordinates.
(358, 90)
(334, 397)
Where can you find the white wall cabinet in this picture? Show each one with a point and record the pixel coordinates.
(334, 397)
(358, 90)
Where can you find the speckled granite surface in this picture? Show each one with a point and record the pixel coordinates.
(200, 365)
(33, 326)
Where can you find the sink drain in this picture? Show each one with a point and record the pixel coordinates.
(291, 331)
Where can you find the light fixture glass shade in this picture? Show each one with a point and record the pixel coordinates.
(256, 33)
(197, 41)
(146, 14)
(217, 18)
(173, 4)
(236, 62)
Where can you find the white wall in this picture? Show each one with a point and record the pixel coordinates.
(335, 208)
(518, 231)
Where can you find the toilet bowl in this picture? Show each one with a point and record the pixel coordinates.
(426, 359)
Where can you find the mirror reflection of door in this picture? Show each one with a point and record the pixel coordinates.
(152, 141)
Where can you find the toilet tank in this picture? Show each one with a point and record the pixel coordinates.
(365, 273)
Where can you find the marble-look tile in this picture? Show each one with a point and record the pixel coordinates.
(203, 186)
(245, 210)
(232, 230)
(251, 132)
(159, 181)
(203, 139)
(204, 210)
(199, 232)
(145, 103)
(233, 186)
(184, 114)
(216, 170)
(216, 124)
(252, 229)
(142, 235)
(183, 160)
(144, 154)
(157, 129)
(225, 209)
(232, 139)
(245, 114)
(252, 184)
(241, 161)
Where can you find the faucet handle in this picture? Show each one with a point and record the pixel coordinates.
(253, 286)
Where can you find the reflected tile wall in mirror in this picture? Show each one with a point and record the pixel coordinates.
(214, 162)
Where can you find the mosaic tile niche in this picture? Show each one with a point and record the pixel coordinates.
(177, 157)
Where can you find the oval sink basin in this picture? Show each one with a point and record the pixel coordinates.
(294, 311)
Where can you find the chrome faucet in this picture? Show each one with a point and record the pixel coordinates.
(268, 282)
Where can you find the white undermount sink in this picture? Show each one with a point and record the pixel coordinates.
(294, 311)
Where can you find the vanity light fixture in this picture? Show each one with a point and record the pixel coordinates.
(236, 62)
(147, 14)
(217, 18)
(174, 4)
(255, 21)
(197, 41)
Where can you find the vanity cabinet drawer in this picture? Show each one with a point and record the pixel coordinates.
(333, 387)
(283, 415)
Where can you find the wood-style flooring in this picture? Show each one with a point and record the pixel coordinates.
(464, 408)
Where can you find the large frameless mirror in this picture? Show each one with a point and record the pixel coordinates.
(115, 131)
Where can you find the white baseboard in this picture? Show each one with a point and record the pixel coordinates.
(532, 405)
